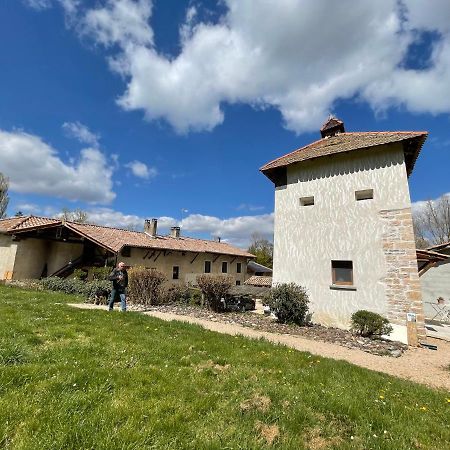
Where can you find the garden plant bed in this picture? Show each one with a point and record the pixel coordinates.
(267, 323)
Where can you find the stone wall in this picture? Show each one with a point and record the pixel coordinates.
(402, 283)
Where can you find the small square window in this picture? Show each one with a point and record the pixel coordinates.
(224, 267)
(342, 272)
(175, 273)
(207, 266)
(307, 201)
(238, 283)
(366, 194)
(238, 267)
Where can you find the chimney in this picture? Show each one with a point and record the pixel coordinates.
(218, 239)
(150, 227)
(332, 127)
(175, 232)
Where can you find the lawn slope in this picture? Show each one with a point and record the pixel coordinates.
(90, 379)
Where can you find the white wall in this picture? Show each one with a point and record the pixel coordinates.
(337, 227)
(435, 283)
(8, 250)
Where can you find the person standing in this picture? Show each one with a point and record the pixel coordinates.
(119, 278)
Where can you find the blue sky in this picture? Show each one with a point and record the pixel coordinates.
(135, 109)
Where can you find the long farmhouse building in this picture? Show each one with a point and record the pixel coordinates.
(36, 247)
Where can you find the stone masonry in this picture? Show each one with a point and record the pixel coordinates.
(402, 283)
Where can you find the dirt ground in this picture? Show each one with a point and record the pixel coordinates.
(416, 364)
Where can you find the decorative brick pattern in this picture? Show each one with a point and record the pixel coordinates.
(402, 281)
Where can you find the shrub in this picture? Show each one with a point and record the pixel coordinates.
(80, 274)
(145, 286)
(289, 302)
(368, 323)
(177, 293)
(100, 273)
(74, 286)
(214, 287)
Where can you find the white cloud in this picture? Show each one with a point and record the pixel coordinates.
(295, 55)
(141, 170)
(38, 4)
(81, 132)
(33, 166)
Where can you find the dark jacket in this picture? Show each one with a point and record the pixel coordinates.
(119, 285)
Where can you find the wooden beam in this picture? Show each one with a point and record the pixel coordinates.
(426, 268)
(216, 258)
(157, 256)
(145, 256)
(233, 260)
(151, 254)
(195, 257)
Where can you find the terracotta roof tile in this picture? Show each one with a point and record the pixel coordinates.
(345, 142)
(256, 280)
(116, 238)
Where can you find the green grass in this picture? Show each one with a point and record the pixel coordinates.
(74, 378)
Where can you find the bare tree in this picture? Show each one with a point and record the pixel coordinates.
(4, 197)
(76, 215)
(432, 223)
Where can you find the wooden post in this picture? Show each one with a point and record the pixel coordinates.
(411, 330)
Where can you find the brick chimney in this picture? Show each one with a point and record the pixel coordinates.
(332, 127)
(151, 226)
(175, 232)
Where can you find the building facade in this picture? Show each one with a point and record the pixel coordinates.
(36, 247)
(343, 225)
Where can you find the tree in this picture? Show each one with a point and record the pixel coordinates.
(4, 197)
(432, 222)
(19, 214)
(262, 249)
(76, 215)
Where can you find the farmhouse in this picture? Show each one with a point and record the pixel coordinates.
(343, 225)
(35, 247)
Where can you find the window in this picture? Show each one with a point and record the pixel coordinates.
(366, 194)
(238, 283)
(224, 267)
(207, 266)
(126, 251)
(238, 267)
(306, 201)
(342, 272)
(175, 273)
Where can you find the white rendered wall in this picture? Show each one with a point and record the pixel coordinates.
(8, 250)
(337, 227)
(435, 283)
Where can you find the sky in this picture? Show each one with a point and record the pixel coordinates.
(134, 109)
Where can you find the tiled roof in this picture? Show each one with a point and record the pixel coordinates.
(345, 142)
(115, 238)
(256, 280)
(26, 222)
(253, 266)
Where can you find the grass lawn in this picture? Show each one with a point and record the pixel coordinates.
(94, 380)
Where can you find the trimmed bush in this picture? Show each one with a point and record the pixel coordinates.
(177, 293)
(214, 287)
(289, 302)
(101, 273)
(74, 286)
(367, 323)
(145, 286)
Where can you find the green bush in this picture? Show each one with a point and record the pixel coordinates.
(74, 286)
(367, 323)
(289, 302)
(80, 274)
(100, 273)
(214, 287)
(145, 286)
(177, 293)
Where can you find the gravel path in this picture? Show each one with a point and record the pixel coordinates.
(416, 364)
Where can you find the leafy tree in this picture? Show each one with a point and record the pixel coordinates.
(19, 214)
(4, 197)
(262, 249)
(76, 215)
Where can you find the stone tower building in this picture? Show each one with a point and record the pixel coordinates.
(343, 225)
